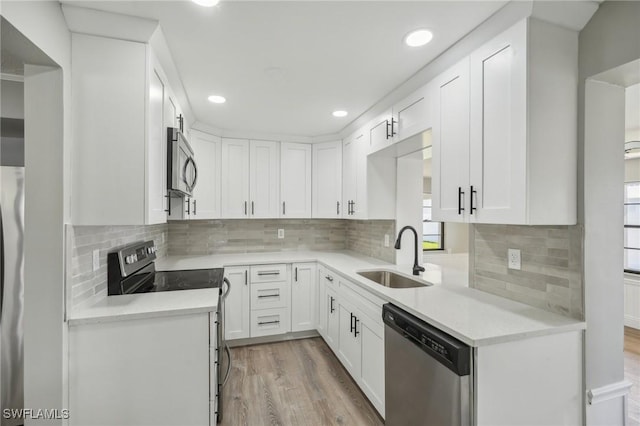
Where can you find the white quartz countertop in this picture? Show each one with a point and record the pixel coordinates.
(145, 305)
(475, 317)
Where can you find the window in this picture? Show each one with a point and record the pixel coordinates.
(432, 232)
(632, 227)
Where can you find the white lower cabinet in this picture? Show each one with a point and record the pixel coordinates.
(303, 297)
(372, 361)
(267, 322)
(237, 303)
(166, 359)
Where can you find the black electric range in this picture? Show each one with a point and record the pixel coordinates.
(131, 269)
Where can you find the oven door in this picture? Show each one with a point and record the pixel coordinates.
(182, 168)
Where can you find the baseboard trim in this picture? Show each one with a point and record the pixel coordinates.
(605, 393)
(631, 321)
(272, 339)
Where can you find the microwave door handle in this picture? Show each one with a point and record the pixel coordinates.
(184, 174)
(195, 173)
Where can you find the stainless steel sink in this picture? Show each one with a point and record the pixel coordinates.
(391, 279)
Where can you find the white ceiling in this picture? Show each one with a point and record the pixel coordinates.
(285, 66)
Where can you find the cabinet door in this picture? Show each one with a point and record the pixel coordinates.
(236, 308)
(333, 319)
(381, 131)
(206, 194)
(327, 179)
(349, 347)
(235, 179)
(372, 376)
(413, 114)
(295, 180)
(303, 300)
(450, 163)
(499, 128)
(156, 153)
(264, 179)
(349, 172)
(322, 308)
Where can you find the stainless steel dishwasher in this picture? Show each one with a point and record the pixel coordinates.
(428, 378)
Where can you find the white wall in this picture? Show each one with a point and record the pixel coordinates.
(12, 102)
(47, 146)
(609, 40)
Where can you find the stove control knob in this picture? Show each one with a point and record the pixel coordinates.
(128, 260)
(134, 257)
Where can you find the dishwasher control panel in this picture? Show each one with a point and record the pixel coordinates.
(448, 350)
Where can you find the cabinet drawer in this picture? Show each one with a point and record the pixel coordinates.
(268, 322)
(269, 295)
(268, 273)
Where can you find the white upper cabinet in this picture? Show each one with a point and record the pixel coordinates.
(250, 179)
(349, 172)
(450, 164)
(381, 131)
(205, 203)
(119, 155)
(235, 178)
(327, 180)
(264, 179)
(522, 144)
(413, 114)
(295, 180)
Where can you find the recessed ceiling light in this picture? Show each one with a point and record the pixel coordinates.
(206, 3)
(340, 113)
(418, 38)
(217, 99)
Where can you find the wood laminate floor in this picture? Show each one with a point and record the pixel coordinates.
(298, 382)
(632, 372)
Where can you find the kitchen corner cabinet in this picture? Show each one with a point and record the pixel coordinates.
(250, 179)
(295, 180)
(521, 144)
(205, 200)
(119, 140)
(327, 180)
(237, 313)
(303, 297)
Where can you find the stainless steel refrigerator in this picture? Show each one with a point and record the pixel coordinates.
(11, 291)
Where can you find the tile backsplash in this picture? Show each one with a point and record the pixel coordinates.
(551, 274)
(200, 237)
(87, 287)
(367, 237)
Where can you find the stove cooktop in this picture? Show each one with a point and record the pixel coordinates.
(184, 280)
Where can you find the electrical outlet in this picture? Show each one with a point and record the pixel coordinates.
(514, 259)
(386, 240)
(96, 260)
(280, 233)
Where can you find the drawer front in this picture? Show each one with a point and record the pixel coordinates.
(270, 295)
(268, 273)
(268, 322)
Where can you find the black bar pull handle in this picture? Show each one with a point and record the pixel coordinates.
(389, 129)
(473, 193)
(337, 207)
(245, 208)
(268, 322)
(253, 212)
(352, 326)
(188, 205)
(246, 277)
(284, 211)
(460, 200)
(295, 277)
(355, 326)
(194, 207)
(331, 304)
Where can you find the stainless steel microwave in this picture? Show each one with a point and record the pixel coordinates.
(182, 171)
